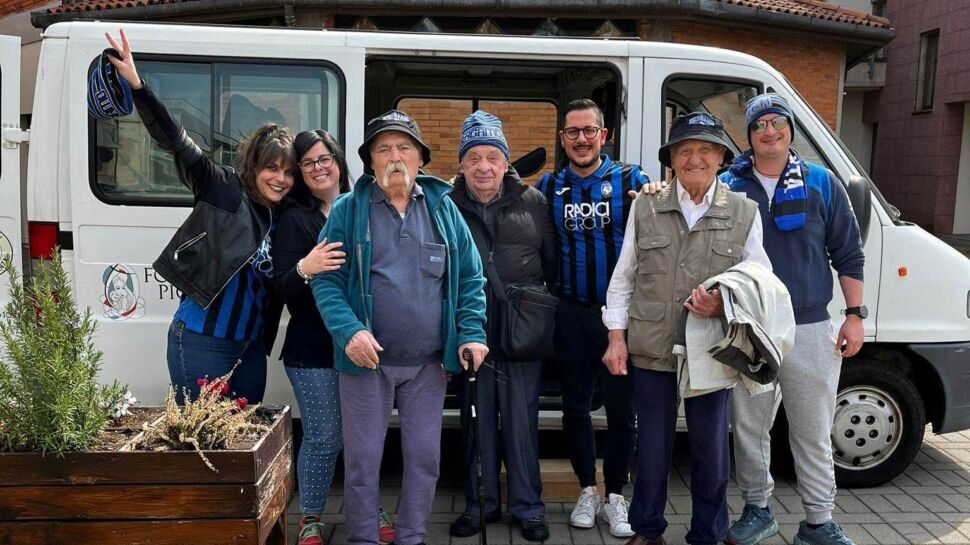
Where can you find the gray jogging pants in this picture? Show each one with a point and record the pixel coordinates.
(809, 379)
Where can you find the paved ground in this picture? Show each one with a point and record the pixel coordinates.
(930, 503)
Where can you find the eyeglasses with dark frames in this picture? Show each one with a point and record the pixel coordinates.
(761, 125)
(324, 161)
(572, 133)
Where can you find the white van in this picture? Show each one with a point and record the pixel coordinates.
(106, 194)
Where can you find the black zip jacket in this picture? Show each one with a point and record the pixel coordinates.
(308, 343)
(522, 236)
(225, 226)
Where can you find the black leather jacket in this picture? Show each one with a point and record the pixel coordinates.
(226, 225)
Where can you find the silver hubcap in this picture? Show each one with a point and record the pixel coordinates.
(867, 429)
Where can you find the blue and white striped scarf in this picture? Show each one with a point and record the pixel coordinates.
(791, 196)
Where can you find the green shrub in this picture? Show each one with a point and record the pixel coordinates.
(50, 399)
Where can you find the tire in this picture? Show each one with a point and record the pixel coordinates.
(878, 425)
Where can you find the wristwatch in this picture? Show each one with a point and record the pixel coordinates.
(861, 311)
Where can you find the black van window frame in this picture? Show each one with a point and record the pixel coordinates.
(186, 200)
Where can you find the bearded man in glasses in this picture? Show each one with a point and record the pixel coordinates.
(589, 203)
(809, 229)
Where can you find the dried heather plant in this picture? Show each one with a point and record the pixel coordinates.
(213, 421)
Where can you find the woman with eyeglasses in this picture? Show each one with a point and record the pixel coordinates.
(219, 258)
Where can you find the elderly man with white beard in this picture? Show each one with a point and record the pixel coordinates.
(403, 308)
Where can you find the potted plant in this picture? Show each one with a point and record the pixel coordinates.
(78, 466)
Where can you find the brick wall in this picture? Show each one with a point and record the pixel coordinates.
(917, 155)
(813, 66)
(10, 7)
(527, 125)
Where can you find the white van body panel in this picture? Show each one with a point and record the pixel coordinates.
(925, 306)
(10, 215)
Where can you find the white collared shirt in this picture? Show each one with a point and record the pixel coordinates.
(620, 291)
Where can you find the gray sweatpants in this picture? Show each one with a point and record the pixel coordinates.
(809, 379)
(365, 403)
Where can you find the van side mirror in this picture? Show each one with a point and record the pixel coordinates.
(861, 198)
(530, 163)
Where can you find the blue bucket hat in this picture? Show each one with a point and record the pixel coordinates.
(695, 126)
(482, 129)
(109, 96)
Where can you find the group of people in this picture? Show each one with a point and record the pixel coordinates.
(386, 286)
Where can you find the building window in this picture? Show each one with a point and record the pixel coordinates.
(929, 43)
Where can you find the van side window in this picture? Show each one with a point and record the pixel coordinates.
(218, 104)
(726, 99)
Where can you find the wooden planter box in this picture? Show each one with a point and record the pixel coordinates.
(138, 497)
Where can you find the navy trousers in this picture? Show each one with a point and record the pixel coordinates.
(508, 415)
(655, 394)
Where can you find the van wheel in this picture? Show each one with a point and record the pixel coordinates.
(878, 426)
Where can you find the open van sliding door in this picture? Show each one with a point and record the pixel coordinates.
(10, 216)
(126, 198)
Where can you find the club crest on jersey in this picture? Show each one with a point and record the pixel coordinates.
(606, 189)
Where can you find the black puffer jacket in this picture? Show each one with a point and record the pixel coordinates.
(522, 238)
(226, 225)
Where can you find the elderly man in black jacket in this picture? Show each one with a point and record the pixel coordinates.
(510, 223)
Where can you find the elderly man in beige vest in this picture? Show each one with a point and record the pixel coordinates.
(676, 239)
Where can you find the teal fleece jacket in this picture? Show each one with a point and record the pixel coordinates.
(343, 296)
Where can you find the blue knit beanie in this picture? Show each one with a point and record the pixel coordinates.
(768, 103)
(482, 129)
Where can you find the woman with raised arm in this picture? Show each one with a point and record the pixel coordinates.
(220, 256)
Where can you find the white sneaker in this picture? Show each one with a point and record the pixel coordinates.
(614, 511)
(584, 514)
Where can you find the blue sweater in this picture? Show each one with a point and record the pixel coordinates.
(343, 296)
(801, 258)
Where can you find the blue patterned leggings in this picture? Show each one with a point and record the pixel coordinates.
(319, 400)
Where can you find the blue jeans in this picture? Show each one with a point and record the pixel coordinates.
(192, 356)
(318, 397)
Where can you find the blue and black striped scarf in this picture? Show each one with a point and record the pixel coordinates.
(791, 196)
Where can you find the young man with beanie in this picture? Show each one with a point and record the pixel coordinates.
(589, 201)
(402, 308)
(809, 229)
(675, 240)
(516, 240)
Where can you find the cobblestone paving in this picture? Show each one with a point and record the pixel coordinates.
(929, 503)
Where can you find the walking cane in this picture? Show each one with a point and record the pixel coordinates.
(476, 428)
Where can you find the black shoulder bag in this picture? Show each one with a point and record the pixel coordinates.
(527, 313)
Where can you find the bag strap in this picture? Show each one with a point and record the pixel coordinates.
(485, 250)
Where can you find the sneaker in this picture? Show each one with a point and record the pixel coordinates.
(385, 533)
(535, 529)
(311, 531)
(756, 524)
(614, 512)
(468, 524)
(829, 533)
(588, 506)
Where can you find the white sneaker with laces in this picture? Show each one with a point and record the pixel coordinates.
(584, 514)
(614, 511)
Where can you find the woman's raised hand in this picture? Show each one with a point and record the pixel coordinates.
(125, 65)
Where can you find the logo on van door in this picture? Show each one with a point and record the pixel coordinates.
(121, 299)
(6, 249)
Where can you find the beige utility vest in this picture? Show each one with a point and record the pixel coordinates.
(672, 260)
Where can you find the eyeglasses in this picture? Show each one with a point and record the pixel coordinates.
(572, 133)
(761, 125)
(324, 161)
